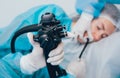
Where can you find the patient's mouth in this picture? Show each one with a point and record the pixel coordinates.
(85, 34)
(82, 40)
(88, 34)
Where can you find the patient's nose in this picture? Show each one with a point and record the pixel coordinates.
(97, 36)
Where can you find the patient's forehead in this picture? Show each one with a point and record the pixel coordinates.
(103, 20)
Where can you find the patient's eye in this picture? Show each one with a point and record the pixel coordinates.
(104, 35)
(98, 28)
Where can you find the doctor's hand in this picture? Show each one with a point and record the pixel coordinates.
(36, 60)
(77, 68)
(82, 25)
(56, 56)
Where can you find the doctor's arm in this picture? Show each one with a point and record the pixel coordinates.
(36, 60)
(17, 65)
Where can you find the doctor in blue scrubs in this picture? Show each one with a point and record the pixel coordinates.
(11, 65)
(28, 61)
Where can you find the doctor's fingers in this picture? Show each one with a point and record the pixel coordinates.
(57, 62)
(56, 59)
(57, 50)
(30, 38)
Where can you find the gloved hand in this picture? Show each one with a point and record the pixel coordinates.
(35, 60)
(56, 56)
(77, 68)
(83, 25)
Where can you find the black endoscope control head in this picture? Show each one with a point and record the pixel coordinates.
(49, 35)
(49, 19)
(51, 31)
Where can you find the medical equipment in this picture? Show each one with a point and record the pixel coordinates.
(84, 48)
(49, 34)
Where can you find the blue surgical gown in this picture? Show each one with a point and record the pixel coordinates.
(9, 64)
(10, 68)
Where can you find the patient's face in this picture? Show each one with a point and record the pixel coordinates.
(101, 28)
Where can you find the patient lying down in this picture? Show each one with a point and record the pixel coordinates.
(100, 27)
(96, 57)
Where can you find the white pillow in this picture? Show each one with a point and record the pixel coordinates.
(102, 57)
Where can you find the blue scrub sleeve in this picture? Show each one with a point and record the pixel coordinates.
(32, 16)
(10, 68)
(111, 1)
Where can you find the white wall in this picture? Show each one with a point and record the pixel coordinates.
(9, 9)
